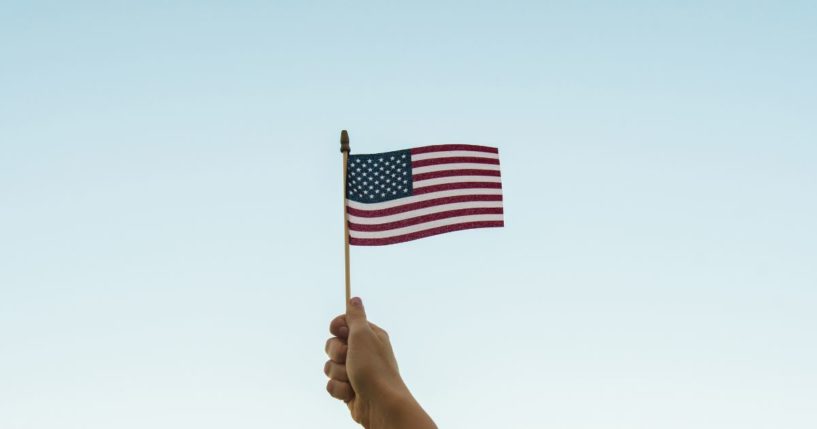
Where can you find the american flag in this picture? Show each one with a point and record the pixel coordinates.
(404, 195)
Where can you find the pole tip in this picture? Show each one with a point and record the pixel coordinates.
(344, 141)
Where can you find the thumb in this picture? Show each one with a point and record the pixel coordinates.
(355, 314)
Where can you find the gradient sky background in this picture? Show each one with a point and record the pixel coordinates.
(170, 211)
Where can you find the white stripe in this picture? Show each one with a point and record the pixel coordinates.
(424, 211)
(424, 226)
(456, 179)
(463, 166)
(423, 197)
(450, 153)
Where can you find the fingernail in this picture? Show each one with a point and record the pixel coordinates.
(357, 302)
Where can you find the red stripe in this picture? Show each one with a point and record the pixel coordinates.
(422, 234)
(449, 173)
(458, 185)
(423, 219)
(446, 147)
(421, 204)
(454, 160)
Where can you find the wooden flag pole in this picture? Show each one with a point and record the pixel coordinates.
(344, 148)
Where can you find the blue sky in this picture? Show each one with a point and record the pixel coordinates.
(170, 211)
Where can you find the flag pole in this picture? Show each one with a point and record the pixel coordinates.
(344, 148)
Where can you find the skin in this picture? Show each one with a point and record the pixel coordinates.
(363, 373)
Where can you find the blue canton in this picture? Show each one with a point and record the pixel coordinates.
(379, 177)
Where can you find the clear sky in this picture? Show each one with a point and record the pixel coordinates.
(171, 232)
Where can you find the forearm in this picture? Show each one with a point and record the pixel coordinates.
(404, 412)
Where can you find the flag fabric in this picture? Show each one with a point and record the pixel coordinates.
(404, 195)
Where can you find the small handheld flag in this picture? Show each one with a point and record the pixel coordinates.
(404, 195)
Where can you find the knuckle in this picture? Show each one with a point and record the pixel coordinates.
(383, 335)
(336, 350)
(338, 372)
(339, 353)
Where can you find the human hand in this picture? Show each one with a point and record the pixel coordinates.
(363, 373)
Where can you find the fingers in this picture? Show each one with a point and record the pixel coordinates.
(355, 314)
(338, 385)
(335, 371)
(339, 328)
(340, 390)
(336, 350)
